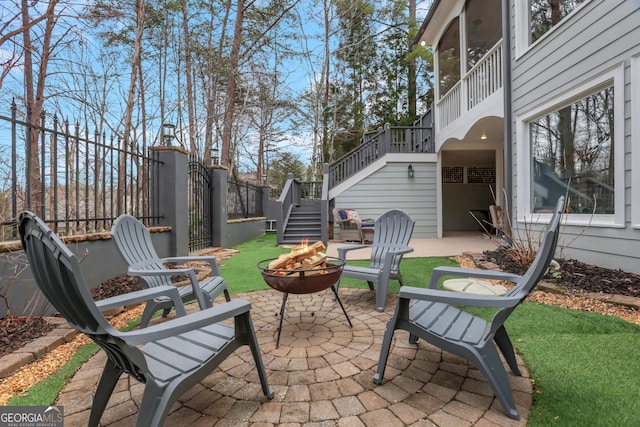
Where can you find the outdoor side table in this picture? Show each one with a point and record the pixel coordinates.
(474, 286)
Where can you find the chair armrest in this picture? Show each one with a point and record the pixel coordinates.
(213, 263)
(391, 253)
(438, 272)
(187, 323)
(163, 272)
(399, 250)
(144, 295)
(460, 298)
(342, 252)
(195, 285)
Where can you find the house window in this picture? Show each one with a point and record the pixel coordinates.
(545, 14)
(635, 141)
(483, 25)
(449, 58)
(572, 151)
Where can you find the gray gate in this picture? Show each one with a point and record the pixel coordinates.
(200, 232)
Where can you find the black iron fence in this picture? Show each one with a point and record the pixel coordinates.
(199, 208)
(244, 200)
(75, 180)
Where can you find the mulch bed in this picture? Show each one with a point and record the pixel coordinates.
(575, 276)
(17, 331)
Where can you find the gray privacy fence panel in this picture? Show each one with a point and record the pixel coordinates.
(244, 200)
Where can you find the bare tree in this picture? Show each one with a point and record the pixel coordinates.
(34, 96)
(9, 34)
(188, 75)
(230, 92)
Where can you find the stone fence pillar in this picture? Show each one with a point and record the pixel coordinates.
(171, 180)
(219, 188)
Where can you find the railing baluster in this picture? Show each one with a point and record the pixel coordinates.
(67, 191)
(54, 173)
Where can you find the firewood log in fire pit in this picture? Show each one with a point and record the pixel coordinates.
(303, 257)
(303, 270)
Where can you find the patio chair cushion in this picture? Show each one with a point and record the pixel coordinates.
(474, 286)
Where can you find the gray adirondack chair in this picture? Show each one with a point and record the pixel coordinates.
(169, 358)
(391, 237)
(437, 317)
(136, 247)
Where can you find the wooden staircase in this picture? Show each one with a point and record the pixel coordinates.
(303, 207)
(304, 223)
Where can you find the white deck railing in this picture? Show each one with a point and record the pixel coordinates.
(484, 79)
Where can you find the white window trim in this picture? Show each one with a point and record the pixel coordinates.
(635, 141)
(613, 76)
(523, 29)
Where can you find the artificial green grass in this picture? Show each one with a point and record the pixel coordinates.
(242, 275)
(240, 271)
(585, 366)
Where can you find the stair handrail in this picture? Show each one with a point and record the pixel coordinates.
(388, 139)
(324, 205)
(290, 196)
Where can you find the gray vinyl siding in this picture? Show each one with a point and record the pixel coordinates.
(601, 35)
(391, 188)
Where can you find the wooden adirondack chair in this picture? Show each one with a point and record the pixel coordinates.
(168, 358)
(437, 317)
(391, 237)
(136, 247)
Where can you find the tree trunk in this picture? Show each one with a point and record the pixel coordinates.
(327, 154)
(411, 69)
(187, 65)
(35, 98)
(135, 65)
(229, 110)
(213, 70)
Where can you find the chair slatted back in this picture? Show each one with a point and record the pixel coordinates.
(57, 274)
(393, 229)
(538, 267)
(134, 242)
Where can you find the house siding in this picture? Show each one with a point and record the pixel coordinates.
(389, 187)
(598, 37)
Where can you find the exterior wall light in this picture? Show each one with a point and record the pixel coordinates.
(215, 154)
(168, 133)
(410, 171)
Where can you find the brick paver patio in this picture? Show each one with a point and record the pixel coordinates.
(322, 375)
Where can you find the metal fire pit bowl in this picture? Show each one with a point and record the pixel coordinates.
(302, 281)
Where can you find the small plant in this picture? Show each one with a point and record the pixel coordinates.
(521, 244)
(554, 270)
